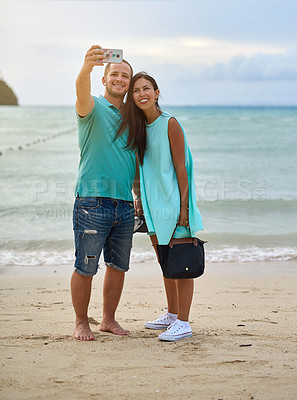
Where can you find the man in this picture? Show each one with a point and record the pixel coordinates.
(103, 216)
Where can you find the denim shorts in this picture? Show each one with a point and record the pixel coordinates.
(102, 223)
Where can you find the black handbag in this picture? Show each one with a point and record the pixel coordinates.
(182, 258)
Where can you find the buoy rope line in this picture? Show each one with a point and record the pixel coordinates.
(38, 141)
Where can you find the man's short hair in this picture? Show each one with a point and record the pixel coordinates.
(108, 67)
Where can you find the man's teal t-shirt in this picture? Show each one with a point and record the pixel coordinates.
(106, 167)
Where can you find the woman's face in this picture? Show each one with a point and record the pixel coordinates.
(144, 95)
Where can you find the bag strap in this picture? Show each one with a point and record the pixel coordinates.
(173, 232)
(182, 240)
(192, 240)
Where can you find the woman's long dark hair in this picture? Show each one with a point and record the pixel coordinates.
(134, 118)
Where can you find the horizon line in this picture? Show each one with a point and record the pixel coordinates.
(173, 105)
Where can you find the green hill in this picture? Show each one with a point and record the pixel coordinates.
(7, 96)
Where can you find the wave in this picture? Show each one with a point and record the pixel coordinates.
(221, 255)
(251, 254)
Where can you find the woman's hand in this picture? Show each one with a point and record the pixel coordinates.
(183, 216)
(138, 207)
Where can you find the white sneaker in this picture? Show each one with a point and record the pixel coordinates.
(177, 331)
(162, 322)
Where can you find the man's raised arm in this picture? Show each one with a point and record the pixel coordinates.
(84, 99)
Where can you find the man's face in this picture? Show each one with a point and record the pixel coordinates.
(117, 80)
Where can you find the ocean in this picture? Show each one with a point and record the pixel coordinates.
(245, 172)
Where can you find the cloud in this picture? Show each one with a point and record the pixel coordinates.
(193, 48)
(260, 67)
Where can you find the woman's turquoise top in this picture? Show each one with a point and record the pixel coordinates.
(159, 186)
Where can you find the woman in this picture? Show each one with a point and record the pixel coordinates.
(168, 197)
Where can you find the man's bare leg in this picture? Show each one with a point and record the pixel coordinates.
(112, 290)
(81, 293)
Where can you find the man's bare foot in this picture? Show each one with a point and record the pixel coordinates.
(82, 331)
(113, 327)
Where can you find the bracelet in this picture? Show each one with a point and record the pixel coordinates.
(138, 198)
(184, 206)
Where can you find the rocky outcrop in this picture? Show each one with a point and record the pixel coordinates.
(7, 96)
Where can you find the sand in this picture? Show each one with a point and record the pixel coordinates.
(243, 346)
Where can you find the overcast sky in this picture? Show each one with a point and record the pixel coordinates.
(199, 51)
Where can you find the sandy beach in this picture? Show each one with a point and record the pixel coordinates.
(243, 346)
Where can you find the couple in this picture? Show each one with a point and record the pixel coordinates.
(122, 145)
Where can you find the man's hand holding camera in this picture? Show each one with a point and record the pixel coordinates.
(93, 57)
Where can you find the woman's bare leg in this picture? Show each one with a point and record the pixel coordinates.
(169, 284)
(171, 295)
(185, 290)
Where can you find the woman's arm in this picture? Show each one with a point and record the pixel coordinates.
(136, 189)
(177, 146)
